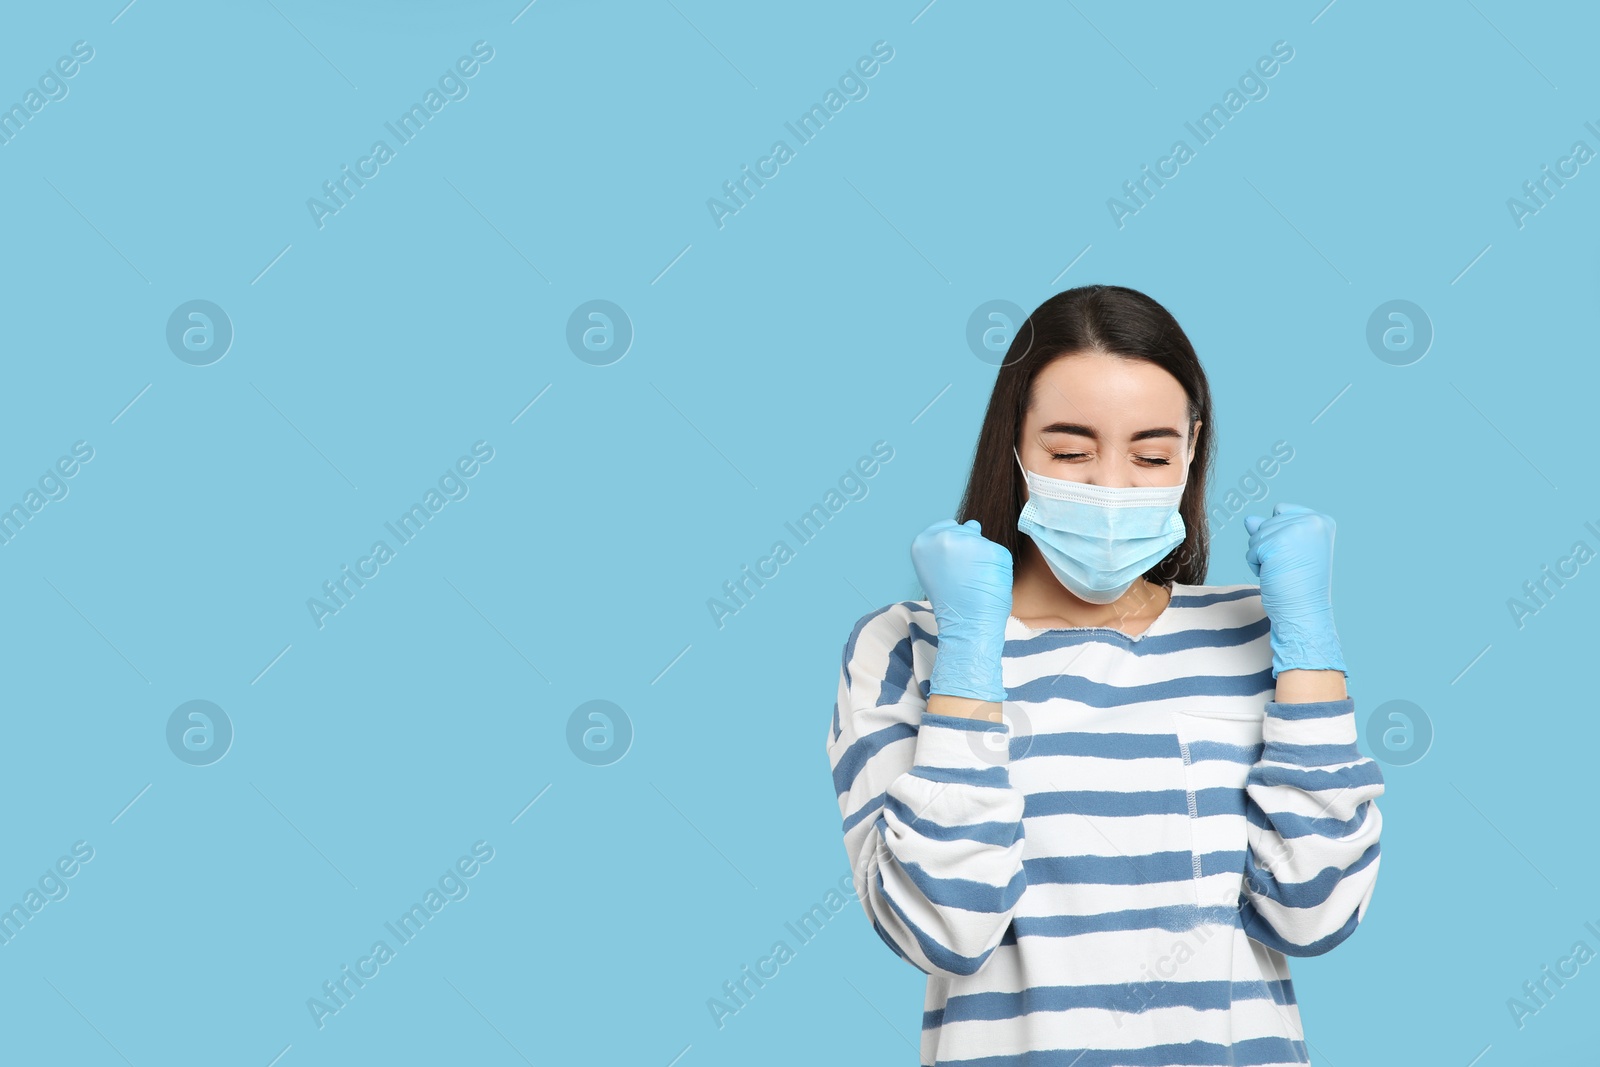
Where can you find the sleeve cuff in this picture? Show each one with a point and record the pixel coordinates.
(977, 748)
(1293, 733)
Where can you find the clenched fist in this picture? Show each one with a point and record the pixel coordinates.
(968, 581)
(1292, 553)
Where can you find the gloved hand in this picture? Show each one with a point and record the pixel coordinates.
(1292, 553)
(968, 581)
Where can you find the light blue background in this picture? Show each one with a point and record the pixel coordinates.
(827, 315)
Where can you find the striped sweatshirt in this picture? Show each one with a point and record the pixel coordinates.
(1116, 874)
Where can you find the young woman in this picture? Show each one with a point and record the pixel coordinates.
(1095, 800)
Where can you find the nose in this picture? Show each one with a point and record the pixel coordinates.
(1122, 472)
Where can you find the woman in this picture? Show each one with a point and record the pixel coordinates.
(1112, 869)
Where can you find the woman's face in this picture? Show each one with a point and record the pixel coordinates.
(1107, 421)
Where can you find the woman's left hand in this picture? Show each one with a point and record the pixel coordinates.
(1292, 553)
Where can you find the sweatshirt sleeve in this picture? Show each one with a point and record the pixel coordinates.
(1313, 825)
(932, 824)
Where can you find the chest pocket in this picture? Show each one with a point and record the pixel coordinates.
(1219, 747)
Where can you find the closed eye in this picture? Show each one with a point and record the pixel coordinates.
(1149, 461)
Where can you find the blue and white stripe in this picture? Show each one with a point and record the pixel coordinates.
(1117, 875)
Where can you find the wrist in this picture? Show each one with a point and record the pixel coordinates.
(964, 707)
(1298, 686)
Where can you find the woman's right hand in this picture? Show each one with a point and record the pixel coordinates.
(968, 581)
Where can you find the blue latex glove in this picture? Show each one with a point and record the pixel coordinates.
(1292, 553)
(968, 581)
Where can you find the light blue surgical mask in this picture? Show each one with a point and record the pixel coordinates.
(1099, 539)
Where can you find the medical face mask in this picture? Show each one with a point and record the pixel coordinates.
(1097, 539)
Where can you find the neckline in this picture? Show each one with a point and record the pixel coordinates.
(1012, 622)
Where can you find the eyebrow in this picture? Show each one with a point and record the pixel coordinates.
(1080, 430)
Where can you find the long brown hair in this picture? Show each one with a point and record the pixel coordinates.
(1115, 321)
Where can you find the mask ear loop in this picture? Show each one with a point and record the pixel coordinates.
(1027, 490)
(1167, 569)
